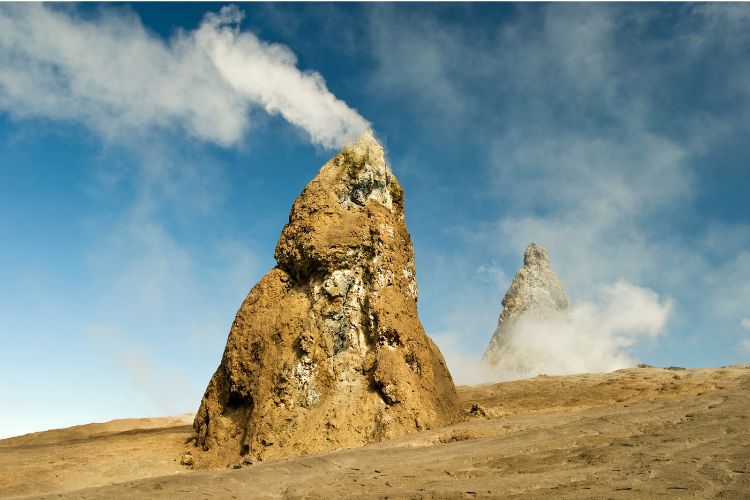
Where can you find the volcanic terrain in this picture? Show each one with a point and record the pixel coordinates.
(634, 433)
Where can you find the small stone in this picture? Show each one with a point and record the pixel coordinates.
(187, 459)
(237, 466)
(477, 410)
(248, 460)
(267, 439)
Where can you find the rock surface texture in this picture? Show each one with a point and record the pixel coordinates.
(535, 292)
(327, 350)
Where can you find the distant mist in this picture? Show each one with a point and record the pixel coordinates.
(745, 342)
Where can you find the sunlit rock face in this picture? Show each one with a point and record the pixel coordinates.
(535, 293)
(327, 350)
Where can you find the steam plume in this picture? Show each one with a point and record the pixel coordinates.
(588, 337)
(111, 74)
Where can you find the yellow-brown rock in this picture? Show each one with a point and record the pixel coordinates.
(327, 350)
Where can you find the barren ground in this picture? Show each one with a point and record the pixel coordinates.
(636, 433)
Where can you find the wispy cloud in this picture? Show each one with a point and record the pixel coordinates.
(167, 390)
(598, 162)
(144, 97)
(110, 73)
(416, 56)
(163, 309)
(464, 365)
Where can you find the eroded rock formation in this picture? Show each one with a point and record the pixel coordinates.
(327, 350)
(535, 291)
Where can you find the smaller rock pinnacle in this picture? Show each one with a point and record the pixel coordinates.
(534, 255)
(535, 291)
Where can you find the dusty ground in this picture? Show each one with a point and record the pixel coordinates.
(639, 433)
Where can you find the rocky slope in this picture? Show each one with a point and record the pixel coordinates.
(327, 350)
(535, 291)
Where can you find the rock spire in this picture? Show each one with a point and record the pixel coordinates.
(535, 291)
(327, 350)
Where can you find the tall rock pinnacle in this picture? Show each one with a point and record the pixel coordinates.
(327, 350)
(535, 291)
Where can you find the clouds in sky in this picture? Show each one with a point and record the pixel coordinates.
(101, 67)
(162, 308)
(602, 132)
(595, 122)
(112, 74)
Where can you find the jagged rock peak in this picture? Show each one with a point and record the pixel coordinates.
(535, 291)
(367, 146)
(535, 255)
(368, 176)
(327, 350)
(349, 189)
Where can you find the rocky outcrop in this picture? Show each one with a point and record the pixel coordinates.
(327, 350)
(535, 292)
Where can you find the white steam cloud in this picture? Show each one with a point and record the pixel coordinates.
(111, 74)
(588, 337)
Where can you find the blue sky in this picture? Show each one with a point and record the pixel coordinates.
(146, 171)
